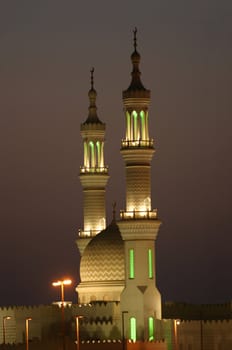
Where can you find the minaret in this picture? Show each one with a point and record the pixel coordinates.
(139, 225)
(93, 174)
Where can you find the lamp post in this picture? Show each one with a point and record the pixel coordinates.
(4, 327)
(176, 324)
(201, 332)
(27, 332)
(78, 332)
(61, 284)
(123, 329)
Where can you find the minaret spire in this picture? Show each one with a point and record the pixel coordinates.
(138, 223)
(93, 173)
(114, 211)
(136, 87)
(92, 116)
(135, 38)
(92, 79)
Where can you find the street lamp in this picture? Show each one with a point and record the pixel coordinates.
(27, 332)
(4, 327)
(78, 332)
(176, 324)
(61, 284)
(123, 329)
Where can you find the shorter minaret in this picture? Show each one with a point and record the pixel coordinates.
(93, 173)
(139, 225)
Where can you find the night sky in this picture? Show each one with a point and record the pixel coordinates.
(47, 48)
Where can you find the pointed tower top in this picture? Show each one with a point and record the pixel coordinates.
(114, 211)
(92, 117)
(91, 72)
(135, 38)
(136, 87)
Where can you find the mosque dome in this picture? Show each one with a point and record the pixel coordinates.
(103, 258)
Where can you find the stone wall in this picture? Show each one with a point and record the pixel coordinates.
(207, 335)
(185, 311)
(90, 345)
(101, 324)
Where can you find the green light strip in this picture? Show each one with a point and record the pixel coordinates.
(98, 160)
(135, 133)
(133, 329)
(143, 131)
(150, 264)
(151, 328)
(131, 264)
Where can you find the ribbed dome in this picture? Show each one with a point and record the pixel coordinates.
(103, 258)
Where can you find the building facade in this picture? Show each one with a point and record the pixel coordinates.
(119, 305)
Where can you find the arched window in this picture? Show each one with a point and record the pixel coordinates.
(91, 156)
(136, 134)
(98, 157)
(128, 126)
(86, 157)
(143, 125)
(147, 203)
(102, 224)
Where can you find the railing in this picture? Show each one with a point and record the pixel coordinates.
(99, 170)
(137, 143)
(87, 234)
(134, 215)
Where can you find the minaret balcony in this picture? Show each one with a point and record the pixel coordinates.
(94, 170)
(137, 143)
(87, 234)
(140, 214)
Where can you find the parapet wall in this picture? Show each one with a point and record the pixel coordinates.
(43, 316)
(185, 311)
(101, 322)
(207, 335)
(90, 345)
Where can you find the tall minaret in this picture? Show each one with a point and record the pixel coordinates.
(140, 300)
(93, 174)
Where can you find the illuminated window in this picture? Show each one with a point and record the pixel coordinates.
(98, 160)
(133, 329)
(86, 158)
(136, 129)
(128, 124)
(147, 203)
(150, 328)
(143, 129)
(131, 264)
(92, 157)
(150, 264)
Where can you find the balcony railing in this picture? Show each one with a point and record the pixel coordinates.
(98, 170)
(137, 143)
(135, 215)
(87, 234)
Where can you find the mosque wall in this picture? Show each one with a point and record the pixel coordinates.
(101, 324)
(186, 311)
(92, 345)
(207, 335)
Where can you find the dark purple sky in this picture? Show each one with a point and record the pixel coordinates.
(47, 48)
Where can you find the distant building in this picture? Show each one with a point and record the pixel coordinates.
(119, 305)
